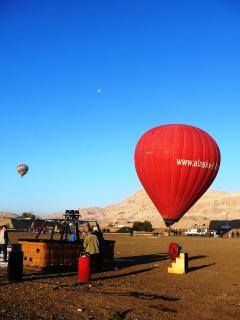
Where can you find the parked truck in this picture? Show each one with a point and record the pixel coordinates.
(196, 232)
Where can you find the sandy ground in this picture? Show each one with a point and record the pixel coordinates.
(139, 289)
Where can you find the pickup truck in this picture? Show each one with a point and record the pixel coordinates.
(195, 232)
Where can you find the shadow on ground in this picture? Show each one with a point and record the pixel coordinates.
(120, 263)
(125, 262)
(119, 315)
(163, 308)
(195, 268)
(142, 295)
(101, 278)
(197, 257)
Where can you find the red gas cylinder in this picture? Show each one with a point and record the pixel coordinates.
(84, 267)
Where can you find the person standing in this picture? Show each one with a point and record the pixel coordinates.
(4, 241)
(102, 246)
(91, 246)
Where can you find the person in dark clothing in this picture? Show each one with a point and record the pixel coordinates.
(102, 246)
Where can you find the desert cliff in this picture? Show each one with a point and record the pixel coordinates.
(213, 205)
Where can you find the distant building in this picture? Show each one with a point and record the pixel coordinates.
(218, 224)
(225, 227)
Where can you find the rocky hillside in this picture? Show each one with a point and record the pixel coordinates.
(213, 205)
(7, 215)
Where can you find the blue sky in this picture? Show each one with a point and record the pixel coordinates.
(155, 62)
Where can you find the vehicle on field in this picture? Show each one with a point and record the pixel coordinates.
(196, 232)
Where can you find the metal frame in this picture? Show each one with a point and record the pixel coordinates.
(71, 217)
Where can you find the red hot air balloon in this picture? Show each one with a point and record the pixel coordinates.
(176, 164)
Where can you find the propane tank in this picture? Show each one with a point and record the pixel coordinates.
(84, 267)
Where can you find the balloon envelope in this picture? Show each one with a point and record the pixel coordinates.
(176, 164)
(22, 169)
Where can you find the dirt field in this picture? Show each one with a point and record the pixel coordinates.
(139, 289)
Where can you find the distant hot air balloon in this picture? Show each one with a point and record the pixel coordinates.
(176, 164)
(22, 169)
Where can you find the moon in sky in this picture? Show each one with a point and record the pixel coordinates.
(99, 90)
